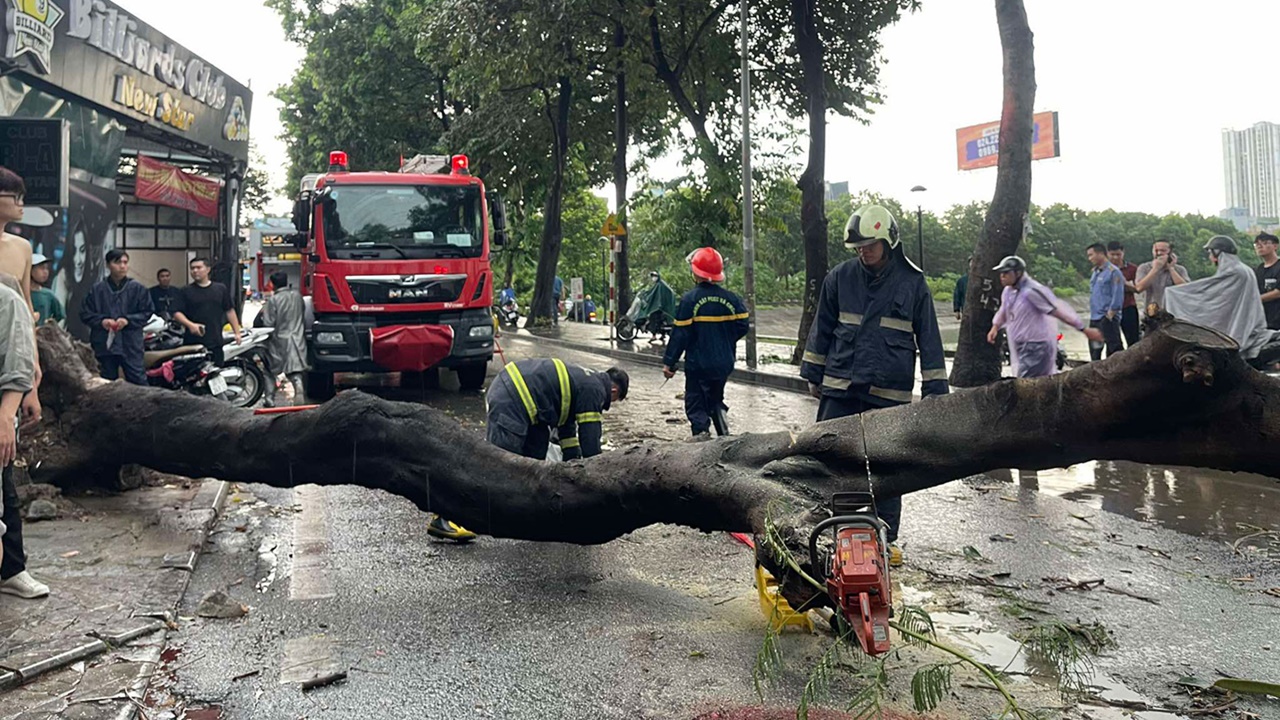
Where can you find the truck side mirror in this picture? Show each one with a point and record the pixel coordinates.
(497, 219)
(302, 216)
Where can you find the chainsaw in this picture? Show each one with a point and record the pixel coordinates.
(857, 571)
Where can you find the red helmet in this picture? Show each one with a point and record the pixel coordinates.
(707, 264)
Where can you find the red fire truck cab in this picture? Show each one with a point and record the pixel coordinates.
(395, 270)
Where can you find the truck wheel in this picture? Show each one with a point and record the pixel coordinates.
(319, 386)
(471, 377)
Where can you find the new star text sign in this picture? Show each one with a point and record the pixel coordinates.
(978, 146)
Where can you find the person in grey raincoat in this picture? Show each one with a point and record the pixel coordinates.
(1228, 301)
(874, 312)
(287, 346)
(17, 378)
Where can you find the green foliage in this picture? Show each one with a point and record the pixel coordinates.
(930, 686)
(1069, 650)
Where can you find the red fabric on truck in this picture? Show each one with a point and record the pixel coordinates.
(410, 348)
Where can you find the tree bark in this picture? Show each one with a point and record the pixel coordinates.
(977, 361)
(544, 302)
(813, 211)
(621, 134)
(1180, 397)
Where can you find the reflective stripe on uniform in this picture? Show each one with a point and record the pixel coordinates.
(683, 323)
(849, 318)
(895, 395)
(523, 391)
(814, 358)
(719, 318)
(565, 392)
(589, 417)
(836, 383)
(570, 443)
(895, 324)
(939, 374)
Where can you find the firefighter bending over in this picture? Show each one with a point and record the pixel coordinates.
(530, 398)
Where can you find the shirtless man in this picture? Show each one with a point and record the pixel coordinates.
(15, 260)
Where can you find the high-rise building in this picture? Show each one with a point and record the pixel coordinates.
(1251, 164)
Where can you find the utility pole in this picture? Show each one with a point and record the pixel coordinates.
(748, 219)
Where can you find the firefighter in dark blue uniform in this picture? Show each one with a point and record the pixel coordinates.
(529, 398)
(874, 313)
(708, 325)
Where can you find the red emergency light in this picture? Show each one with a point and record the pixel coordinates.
(441, 270)
(460, 164)
(338, 161)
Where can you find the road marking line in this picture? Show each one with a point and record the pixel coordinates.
(310, 577)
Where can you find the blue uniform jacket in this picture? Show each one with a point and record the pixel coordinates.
(542, 402)
(868, 328)
(130, 301)
(708, 325)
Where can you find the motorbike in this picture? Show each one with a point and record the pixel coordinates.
(246, 366)
(173, 366)
(509, 314)
(653, 311)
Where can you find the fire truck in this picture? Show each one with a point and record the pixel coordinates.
(395, 270)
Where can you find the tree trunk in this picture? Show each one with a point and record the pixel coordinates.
(813, 210)
(977, 361)
(1182, 396)
(544, 302)
(622, 266)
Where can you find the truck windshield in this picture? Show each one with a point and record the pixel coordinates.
(403, 221)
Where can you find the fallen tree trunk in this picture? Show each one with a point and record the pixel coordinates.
(1180, 397)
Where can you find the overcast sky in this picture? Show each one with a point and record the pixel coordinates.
(1143, 89)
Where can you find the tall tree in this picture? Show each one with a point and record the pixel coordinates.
(977, 361)
(830, 63)
(360, 87)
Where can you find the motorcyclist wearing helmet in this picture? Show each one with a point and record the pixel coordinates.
(1027, 312)
(709, 323)
(1229, 302)
(873, 313)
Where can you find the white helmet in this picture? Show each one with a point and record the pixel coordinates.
(869, 224)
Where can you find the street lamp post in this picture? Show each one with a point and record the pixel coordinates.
(748, 220)
(919, 227)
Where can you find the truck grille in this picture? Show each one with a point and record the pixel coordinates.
(391, 290)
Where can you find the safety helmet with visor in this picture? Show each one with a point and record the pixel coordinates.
(868, 224)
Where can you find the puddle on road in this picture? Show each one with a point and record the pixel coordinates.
(982, 641)
(1205, 503)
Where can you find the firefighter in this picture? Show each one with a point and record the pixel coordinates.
(708, 325)
(530, 398)
(873, 313)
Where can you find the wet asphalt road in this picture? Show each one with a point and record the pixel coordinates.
(664, 623)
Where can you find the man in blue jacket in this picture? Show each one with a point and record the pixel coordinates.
(115, 312)
(708, 325)
(873, 314)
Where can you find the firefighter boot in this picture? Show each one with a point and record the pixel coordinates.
(720, 419)
(445, 530)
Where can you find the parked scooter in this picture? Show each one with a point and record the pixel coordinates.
(174, 366)
(509, 314)
(246, 366)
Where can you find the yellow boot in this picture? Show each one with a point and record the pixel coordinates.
(445, 530)
(895, 556)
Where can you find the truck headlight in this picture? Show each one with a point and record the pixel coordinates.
(330, 338)
(481, 331)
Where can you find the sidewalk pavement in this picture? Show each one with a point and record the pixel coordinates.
(117, 566)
